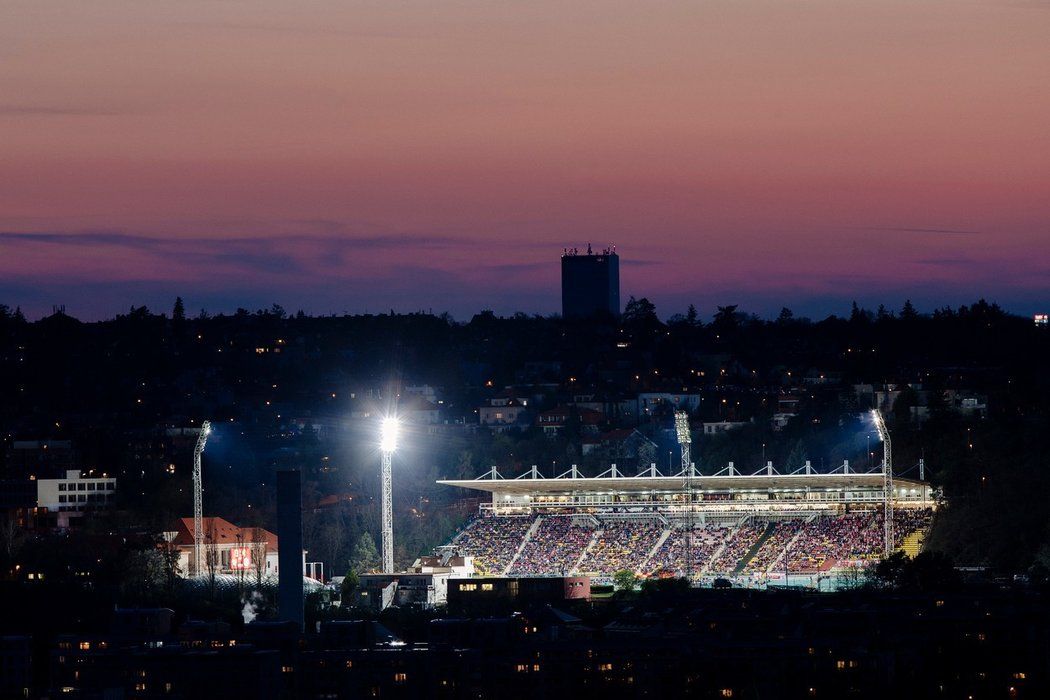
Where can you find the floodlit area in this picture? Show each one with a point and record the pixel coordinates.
(817, 530)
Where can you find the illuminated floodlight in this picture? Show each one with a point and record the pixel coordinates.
(388, 431)
(887, 480)
(880, 424)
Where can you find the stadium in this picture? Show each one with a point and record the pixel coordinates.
(768, 528)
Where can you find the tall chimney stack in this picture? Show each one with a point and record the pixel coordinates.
(290, 546)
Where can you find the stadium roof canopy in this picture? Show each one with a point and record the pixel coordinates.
(532, 483)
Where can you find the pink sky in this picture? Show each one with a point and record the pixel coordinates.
(349, 156)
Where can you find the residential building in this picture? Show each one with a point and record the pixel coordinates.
(75, 494)
(424, 583)
(228, 549)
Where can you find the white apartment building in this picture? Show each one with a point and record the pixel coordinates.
(75, 494)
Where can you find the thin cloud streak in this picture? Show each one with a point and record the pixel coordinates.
(920, 230)
(18, 110)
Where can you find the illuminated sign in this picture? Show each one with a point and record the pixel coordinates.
(240, 558)
(1042, 319)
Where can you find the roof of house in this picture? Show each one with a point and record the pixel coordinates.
(222, 531)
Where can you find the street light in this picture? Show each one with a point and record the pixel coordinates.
(388, 431)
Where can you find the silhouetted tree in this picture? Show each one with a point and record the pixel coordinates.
(908, 312)
(691, 316)
(726, 318)
(365, 556)
(640, 313)
(178, 314)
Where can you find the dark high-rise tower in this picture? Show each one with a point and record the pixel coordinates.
(590, 283)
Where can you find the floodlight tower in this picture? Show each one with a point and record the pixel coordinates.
(198, 508)
(388, 431)
(681, 426)
(887, 480)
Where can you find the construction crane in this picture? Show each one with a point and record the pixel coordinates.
(198, 515)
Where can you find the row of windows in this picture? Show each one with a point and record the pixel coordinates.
(86, 498)
(87, 486)
(474, 587)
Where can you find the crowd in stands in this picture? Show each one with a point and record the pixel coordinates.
(857, 537)
(824, 541)
(738, 545)
(908, 520)
(796, 546)
(774, 548)
(669, 559)
(622, 546)
(555, 548)
(492, 542)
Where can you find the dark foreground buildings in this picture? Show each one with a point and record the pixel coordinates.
(590, 284)
(705, 644)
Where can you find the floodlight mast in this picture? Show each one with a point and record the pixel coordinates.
(887, 481)
(387, 445)
(681, 425)
(198, 506)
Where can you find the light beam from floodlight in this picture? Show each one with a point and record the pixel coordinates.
(388, 431)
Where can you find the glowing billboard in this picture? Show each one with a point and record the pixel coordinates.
(240, 558)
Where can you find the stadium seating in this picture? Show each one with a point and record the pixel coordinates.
(554, 548)
(775, 546)
(738, 544)
(804, 545)
(492, 542)
(669, 559)
(621, 546)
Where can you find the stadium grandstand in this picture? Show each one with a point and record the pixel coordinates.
(763, 529)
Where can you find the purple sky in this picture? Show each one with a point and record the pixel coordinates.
(340, 155)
